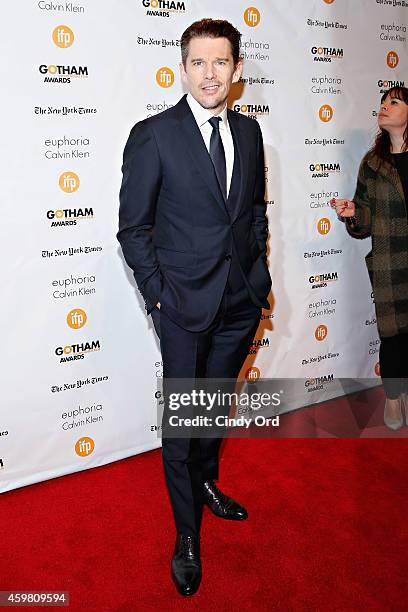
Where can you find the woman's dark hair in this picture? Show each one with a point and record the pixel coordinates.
(211, 28)
(382, 143)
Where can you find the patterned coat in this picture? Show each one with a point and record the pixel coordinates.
(381, 213)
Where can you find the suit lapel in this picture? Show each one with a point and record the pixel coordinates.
(241, 153)
(196, 148)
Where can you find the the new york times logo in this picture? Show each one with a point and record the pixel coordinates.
(394, 3)
(78, 384)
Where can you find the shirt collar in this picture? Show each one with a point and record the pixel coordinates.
(202, 115)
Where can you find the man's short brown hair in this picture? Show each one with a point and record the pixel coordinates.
(211, 28)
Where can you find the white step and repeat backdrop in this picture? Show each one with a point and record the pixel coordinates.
(80, 362)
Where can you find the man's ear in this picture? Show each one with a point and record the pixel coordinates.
(183, 74)
(237, 71)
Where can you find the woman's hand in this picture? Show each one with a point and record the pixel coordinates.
(344, 208)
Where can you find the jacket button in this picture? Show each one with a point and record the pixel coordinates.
(228, 258)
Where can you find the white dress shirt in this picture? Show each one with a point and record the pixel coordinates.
(202, 115)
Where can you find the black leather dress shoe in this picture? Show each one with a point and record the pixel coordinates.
(222, 505)
(186, 564)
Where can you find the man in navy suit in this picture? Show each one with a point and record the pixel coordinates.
(193, 229)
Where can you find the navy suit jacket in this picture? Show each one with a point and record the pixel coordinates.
(177, 232)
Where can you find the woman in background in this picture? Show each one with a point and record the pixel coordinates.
(379, 210)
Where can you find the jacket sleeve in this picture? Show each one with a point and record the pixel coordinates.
(259, 219)
(142, 175)
(359, 226)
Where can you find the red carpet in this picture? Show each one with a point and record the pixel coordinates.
(327, 531)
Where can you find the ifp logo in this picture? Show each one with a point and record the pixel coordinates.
(84, 446)
(323, 226)
(392, 59)
(69, 182)
(165, 77)
(252, 16)
(252, 374)
(377, 369)
(321, 333)
(63, 36)
(328, 1)
(325, 113)
(76, 318)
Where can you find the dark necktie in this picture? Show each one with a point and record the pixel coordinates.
(217, 154)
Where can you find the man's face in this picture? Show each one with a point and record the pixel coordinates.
(209, 72)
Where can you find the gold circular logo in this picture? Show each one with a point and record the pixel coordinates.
(63, 36)
(165, 77)
(321, 333)
(84, 446)
(252, 374)
(69, 182)
(76, 318)
(323, 226)
(325, 113)
(252, 16)
(328, 1)
(392, 59)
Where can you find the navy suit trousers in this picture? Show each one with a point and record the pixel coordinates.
(217, 352)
